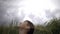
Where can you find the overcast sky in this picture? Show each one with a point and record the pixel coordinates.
(37, 11)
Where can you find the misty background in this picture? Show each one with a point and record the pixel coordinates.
(19, 10)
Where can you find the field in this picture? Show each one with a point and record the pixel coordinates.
(53, 27)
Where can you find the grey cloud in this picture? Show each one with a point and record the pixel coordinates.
(36, 20)
(54, 13)
(56, 2)
(8, 10)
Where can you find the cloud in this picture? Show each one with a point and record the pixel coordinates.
(8, 10)
(32, 9)
(54, 13)
(56, 2)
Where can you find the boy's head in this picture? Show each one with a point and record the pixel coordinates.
(26, 27)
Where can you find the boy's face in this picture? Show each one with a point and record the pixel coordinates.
(25, 25)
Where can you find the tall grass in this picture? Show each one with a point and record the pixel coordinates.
(53, 27)
(8, 30)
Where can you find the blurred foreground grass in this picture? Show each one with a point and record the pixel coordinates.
(8, 30)
(15, 30)
(53, 27)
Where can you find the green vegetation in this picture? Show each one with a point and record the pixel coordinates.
(52, 27)
(8, 30)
